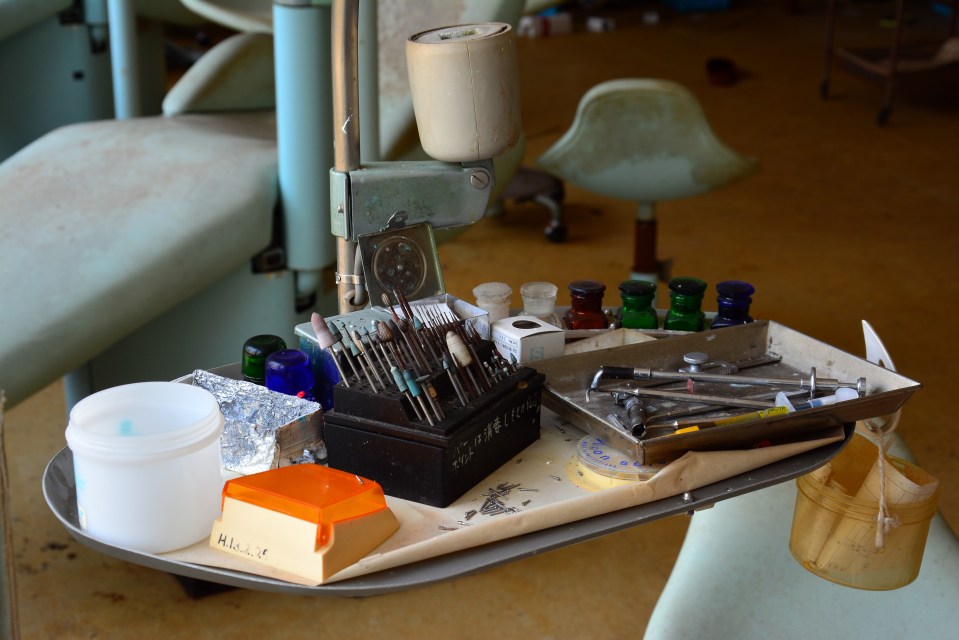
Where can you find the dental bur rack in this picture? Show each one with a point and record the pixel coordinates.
(410, 353)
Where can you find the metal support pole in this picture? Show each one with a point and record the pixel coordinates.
(369, 82)
(303, 112)
(123, 59)
(645, 264)
(346, 128)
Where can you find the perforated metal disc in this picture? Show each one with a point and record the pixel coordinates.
(595, 455)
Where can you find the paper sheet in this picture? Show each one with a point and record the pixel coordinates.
(850, 547)
(553, 499)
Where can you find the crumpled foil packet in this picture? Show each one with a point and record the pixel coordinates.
(263, 429)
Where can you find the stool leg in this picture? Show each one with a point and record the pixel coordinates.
(830, 32)
(556, 230)
(645, 264)
(892, 74)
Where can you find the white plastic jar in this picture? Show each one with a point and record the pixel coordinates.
(493, 298)
(146, 459)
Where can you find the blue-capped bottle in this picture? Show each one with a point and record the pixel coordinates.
(637, 311)
(734, 299)
(685, 305)
(289, 371)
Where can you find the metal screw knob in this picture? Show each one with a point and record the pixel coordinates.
(479, 179)
(695, 360)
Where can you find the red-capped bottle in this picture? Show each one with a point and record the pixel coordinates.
(586, 305)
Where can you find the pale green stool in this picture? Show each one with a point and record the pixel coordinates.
(647, 141)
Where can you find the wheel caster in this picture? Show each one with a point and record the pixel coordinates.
(556, 233)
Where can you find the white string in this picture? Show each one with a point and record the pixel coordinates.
(876, 353)
(884, 523)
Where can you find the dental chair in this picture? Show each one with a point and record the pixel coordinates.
(109, 227)
(647, 141)
(55, 63)
(145, 248)
(129, 245)
(735, 576)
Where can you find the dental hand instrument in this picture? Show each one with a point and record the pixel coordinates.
(809, 383)
(840, 395)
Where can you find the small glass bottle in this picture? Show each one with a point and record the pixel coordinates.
(255, 352)
(685, 305)
(637, 311)
(586, 305)
(493, 298)
(289, 371)
(539, 300)
(734, 299)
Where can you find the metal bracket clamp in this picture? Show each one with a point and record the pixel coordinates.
(443, 194)
(349, 278)
(340, 203)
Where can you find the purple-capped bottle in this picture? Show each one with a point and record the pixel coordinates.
(734, 299)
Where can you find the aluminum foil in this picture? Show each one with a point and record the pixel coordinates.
(263, 429)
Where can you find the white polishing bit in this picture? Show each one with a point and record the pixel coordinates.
(458, 349)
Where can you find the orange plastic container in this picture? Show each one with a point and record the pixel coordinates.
(310, 492)
(302, 523)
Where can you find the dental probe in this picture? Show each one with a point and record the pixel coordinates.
(810, 382)
(726, 401)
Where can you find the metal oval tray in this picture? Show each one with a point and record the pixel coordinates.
(59, 490)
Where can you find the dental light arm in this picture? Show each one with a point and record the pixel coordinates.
(467, 108)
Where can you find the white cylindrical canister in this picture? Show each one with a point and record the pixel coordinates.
(465, 87)
(146, 459)
(493, 298)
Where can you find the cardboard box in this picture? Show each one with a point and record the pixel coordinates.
(528, 338)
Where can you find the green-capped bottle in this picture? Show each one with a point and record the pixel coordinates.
(255, 352)
(685, 305)
(637, 311)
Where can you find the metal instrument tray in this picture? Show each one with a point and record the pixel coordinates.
(568, 378)
(59, 490)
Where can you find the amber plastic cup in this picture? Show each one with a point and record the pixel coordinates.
(834, 533)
